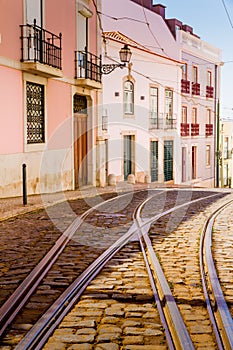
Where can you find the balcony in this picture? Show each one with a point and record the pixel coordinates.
(170, 122)
(194, 129)
(209, 92)
(88, 70)
(208, 129)
(227, 154)
(40, 51)
(196, 89)
(185, 86)
(184, 129)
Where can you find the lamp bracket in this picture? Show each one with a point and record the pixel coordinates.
(108, 68)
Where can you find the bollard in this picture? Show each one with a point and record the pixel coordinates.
(24, 185)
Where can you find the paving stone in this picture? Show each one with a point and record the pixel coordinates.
(130, 340)
(107, 346)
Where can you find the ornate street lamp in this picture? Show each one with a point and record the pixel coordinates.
(125, 56)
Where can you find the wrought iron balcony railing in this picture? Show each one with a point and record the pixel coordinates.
(88, 66)
(184, 129)
(194, 129)
(162, 122)
(185, 86)
(196, 89)
(209, 92)
(208, 129)
(40, 45)
(227, 154)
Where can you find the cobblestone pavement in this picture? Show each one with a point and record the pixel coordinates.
(117, 311)
(223, 252)
(99, 322)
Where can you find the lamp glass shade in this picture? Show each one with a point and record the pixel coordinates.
(125, 54)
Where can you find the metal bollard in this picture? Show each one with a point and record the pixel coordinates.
(24, 184)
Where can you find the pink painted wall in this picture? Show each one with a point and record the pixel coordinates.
(11, 16)
(59, 114)
(93, 22)
(60, 17)
(11, 111)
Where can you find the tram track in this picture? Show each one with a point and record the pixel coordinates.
(177, 338)
(217, 307)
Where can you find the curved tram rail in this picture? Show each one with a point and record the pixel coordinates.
(175, 329)
(217, 307)
(21, 295)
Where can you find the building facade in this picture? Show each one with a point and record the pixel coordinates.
(187, 95)
(50, 78)
(142, 102)
(200, 89)
(226, 153)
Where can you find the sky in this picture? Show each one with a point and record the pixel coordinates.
(212, 20)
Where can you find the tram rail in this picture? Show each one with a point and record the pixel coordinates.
(177, 334)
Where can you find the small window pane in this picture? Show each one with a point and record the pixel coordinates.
(128, 97)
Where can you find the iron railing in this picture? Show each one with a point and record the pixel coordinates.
(185, 86)
(227, 154)
(194, 129)
(162, 122)
(88, 66)
(209, 129)
(40, 45)
(209, 91)
(196, 89)
(184, 129)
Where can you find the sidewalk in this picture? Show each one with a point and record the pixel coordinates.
(10, 207)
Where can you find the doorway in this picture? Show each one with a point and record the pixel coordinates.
(168, 160)
(154, 160)
(194, 162)
(80, 140)
(128, 155)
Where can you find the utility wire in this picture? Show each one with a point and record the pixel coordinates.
(228, 15)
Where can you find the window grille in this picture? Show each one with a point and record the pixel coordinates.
(35, 113)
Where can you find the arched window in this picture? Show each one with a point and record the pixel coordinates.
(128, 97)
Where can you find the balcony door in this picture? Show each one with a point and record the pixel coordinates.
(34, 10)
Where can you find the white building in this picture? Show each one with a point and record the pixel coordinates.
(143, 102)
(200, 89)
(226, 153)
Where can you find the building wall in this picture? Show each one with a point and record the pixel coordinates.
(163, 74)
(205, 57)
(49, 165)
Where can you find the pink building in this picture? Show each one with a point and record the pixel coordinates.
(50, 77)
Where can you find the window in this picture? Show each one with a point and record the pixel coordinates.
(35, 113)
(168, 103)
(195, 74)
(209, 78)
(184, 115)
(185, 71)
(194, 115)
(153, 102)
(128, 97)
(208, 155)
(208, 116)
